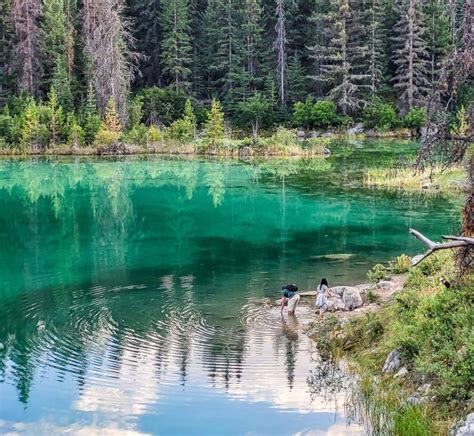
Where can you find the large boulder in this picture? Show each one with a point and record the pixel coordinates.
(393, 362)
(464, 427)
(351, 298)
(335, 303)
(356, 129)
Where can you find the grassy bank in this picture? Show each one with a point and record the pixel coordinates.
(451, 179)
(431, 327)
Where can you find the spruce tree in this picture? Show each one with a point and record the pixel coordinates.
(90, 117)
(410, 56)
(215, 123)
(176, 45)
(296, 79)
(6, 49)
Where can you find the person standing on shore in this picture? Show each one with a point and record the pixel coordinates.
(289, 294)
(323, 293)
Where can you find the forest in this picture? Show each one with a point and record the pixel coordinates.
(92, 71)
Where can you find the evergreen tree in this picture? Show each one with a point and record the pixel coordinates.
(375, 42)
(175, 45)
(410, 56)
(342, 57)
(296, 79)
(6, 49)
(90, 117)
(111, 121)
(24, 16)
(215, 123)
(56, 117)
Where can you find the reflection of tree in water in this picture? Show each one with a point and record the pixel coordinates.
(214, 179)
(327, 378)
(289, 339)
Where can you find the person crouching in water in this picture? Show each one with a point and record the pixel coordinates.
(289, 294)
(323, 293)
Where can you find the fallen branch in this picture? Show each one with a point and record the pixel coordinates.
(456, 242)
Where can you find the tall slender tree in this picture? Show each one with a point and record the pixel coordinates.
(6, 48)
(281, 52)
(176, 43)
(410, 57)
(25, 15)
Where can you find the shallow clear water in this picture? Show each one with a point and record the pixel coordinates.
(131, 289)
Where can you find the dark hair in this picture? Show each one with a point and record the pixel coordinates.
(291, 288)
(324, 282)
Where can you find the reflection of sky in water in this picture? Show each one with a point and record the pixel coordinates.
(142, 394)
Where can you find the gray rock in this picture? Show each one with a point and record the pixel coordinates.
(356, 130)
(352, 298)
(335, 303)
(414, 400)
(363, 288)
(424, 389)
(246, 151)
(385, 285)
(301, 134)
(338, 290)
(327, 135)
(464, 427)
(326, 152)
(393, 362)
(401, 373)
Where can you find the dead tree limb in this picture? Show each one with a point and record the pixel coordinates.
(456, 242)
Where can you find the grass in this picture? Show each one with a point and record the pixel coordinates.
(432, 326)
(451, 179)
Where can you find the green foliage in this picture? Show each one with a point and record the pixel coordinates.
(401, 264)
(138, 135)
(90, 118)
(321, 114)
(372, 297)
(380, 116)
(162, 105)
(415, 118)
(74, 131)
(215, 124)
(254, 112)
(378, 272)
(135, 112)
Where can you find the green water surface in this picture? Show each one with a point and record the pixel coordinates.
(131, 288)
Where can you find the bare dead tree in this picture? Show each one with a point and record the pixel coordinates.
(280, 47)
(109, 46)
(25, 14)
(440, 139)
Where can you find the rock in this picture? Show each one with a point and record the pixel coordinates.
(424, 389)
(401, 373)
(363, 288)
(356, 130)
(301, 134)
(2, 346)
(464, 427)
(385, 285)
(327, 135)
(246, 151)
(326, 152)
(352, 298)
(338, 290)
(335, 303)
(315, 134)
(393, 362)
(414, 400)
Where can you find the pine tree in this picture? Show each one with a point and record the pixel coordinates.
(296, 79)
(146, 15)
(410, 56)
(24, 16)
(176, 45)
(281, 52)
(56, 117)
(439, 37)
(111, 120)
(6, 46)
(211, 37)
(342, 57)
(90, 117)
(375, 42)
(215, 123)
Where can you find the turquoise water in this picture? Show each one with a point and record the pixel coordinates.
(131, 288)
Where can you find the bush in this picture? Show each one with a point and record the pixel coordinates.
(378, 272)
(401, 264)
(321, 114)
(138, 135)
(162, 105)
(372, 297)
(155, 134)
(415, 118)
(380, 116)
(285, 137)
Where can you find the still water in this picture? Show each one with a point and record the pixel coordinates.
(131, 288)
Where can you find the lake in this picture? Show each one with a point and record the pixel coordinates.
(131, 288)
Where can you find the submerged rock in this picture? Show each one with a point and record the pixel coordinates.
(393, 362)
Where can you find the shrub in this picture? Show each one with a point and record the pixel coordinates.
(401, 264)
(285, 137)
(138, 135)
(380, 116)
(372, 297)
(302, 113)
(378, 272)
(154, 134)
(162, 105)
(415, 118)
(324, 114)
